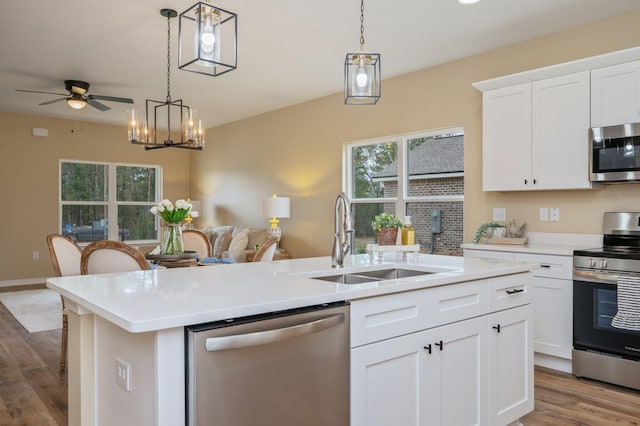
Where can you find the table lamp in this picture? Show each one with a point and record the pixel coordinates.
(275, 207)
(196, 206)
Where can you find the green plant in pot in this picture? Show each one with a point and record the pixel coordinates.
(386, 225)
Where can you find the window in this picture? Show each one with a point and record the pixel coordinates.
(93, 195)
(419, 175)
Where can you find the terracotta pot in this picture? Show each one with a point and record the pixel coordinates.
(387, 236)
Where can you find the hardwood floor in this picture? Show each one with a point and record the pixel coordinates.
(34, 393)
(32, 390)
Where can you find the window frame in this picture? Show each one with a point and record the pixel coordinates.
(401, 200)
(112, 203)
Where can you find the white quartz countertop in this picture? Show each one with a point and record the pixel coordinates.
(558, 244)
(159, 299)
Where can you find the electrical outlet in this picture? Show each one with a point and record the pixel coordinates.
(499, 214)
(554, 214)
(36, 255)
(123, 374)
(544, 214)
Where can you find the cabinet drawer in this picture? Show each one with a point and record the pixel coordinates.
(509, 291)
(380, 318)
(452, 303)
(550, 266)
(490, 254)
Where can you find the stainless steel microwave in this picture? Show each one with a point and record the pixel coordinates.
(615, 153)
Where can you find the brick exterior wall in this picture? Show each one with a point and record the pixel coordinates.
(449, 240)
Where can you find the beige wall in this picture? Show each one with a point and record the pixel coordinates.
(296, 151)
(29, 168)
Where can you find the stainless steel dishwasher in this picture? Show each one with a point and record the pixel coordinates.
(287, 368)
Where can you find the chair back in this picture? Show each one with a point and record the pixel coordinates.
(65, 255)
(197, 241)
(106, 256)
(266, 251)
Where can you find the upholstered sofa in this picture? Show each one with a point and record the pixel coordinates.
(234, 241)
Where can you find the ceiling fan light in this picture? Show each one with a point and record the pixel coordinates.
(76, 102)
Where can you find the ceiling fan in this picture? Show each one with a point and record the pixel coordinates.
(77, 97)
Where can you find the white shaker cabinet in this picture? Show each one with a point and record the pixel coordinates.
(411, 371)
(552, 292)
(510, 364)
(535, 135)
(615, 94)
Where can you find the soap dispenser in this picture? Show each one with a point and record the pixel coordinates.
(408, 233)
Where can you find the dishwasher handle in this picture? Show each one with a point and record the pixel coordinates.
(270, 336)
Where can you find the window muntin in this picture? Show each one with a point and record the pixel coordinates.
(92, 195)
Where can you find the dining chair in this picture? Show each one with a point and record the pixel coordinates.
(65, 256)
(197, 241)
(106, 256)
(266, 251)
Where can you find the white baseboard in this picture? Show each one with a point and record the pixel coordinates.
(553, 362)
(24, 281)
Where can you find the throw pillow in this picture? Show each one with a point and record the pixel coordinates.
(222, 243)
(256, 236)
(239, 242)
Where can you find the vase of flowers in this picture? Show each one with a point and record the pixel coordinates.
(173, 216)
(386, 225)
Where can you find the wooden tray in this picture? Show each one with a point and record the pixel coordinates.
(507, 241)
(172, 257)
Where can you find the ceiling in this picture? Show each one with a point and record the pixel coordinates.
(289, 51)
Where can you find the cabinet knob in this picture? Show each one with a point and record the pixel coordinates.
(428, 348)
(496, 328)
(534, 182)
(439, 344)
(526, 181)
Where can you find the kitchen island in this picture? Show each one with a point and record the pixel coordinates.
(139, 317)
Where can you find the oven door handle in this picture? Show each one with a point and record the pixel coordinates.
(596, 276)
(271, 336)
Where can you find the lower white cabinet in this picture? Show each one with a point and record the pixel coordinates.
(510, 364)
(552, 289)
(462, 373)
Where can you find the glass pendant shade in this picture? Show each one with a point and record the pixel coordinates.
(208, 40)
(362, 81)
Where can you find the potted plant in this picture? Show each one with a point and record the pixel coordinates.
(386, 225)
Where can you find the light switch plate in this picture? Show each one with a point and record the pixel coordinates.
(554, 214)
(499, 214)
(123, 374)
(544, 214)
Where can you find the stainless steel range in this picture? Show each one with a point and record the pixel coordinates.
(601, 350)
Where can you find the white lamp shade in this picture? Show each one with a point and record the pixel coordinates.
(276, 207)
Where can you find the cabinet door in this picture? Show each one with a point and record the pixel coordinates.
(457, 377)
(559, 131)
(511, 364)
(615, 94)
(386, 382)
(506, 138)
(552, 316)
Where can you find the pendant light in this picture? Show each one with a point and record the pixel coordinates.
(362, 79)
(208, 40)
(183, 129)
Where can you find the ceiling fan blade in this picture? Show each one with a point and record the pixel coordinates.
(46, 93)
(53, 101)
(97, 105)
(111, 98)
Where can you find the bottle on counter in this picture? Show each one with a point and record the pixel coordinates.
(408, 233)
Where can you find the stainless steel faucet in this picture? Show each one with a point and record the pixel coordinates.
(344, 226)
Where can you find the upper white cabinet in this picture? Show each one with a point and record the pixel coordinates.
(535, 135)
(615, 94)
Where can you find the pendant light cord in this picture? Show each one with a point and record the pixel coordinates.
(168, 58)
(361, 23)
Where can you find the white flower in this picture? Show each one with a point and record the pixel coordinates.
(182, 204)
(165, 202)
(161, 208)
(169, 207)
(154, 210)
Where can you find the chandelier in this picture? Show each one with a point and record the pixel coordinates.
(208, 40)
(362, 73)
(167, 124)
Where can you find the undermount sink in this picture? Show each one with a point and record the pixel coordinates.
(370, 276)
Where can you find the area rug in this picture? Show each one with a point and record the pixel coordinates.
(35, 310)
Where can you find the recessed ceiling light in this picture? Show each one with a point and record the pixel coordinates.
(468, 1)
